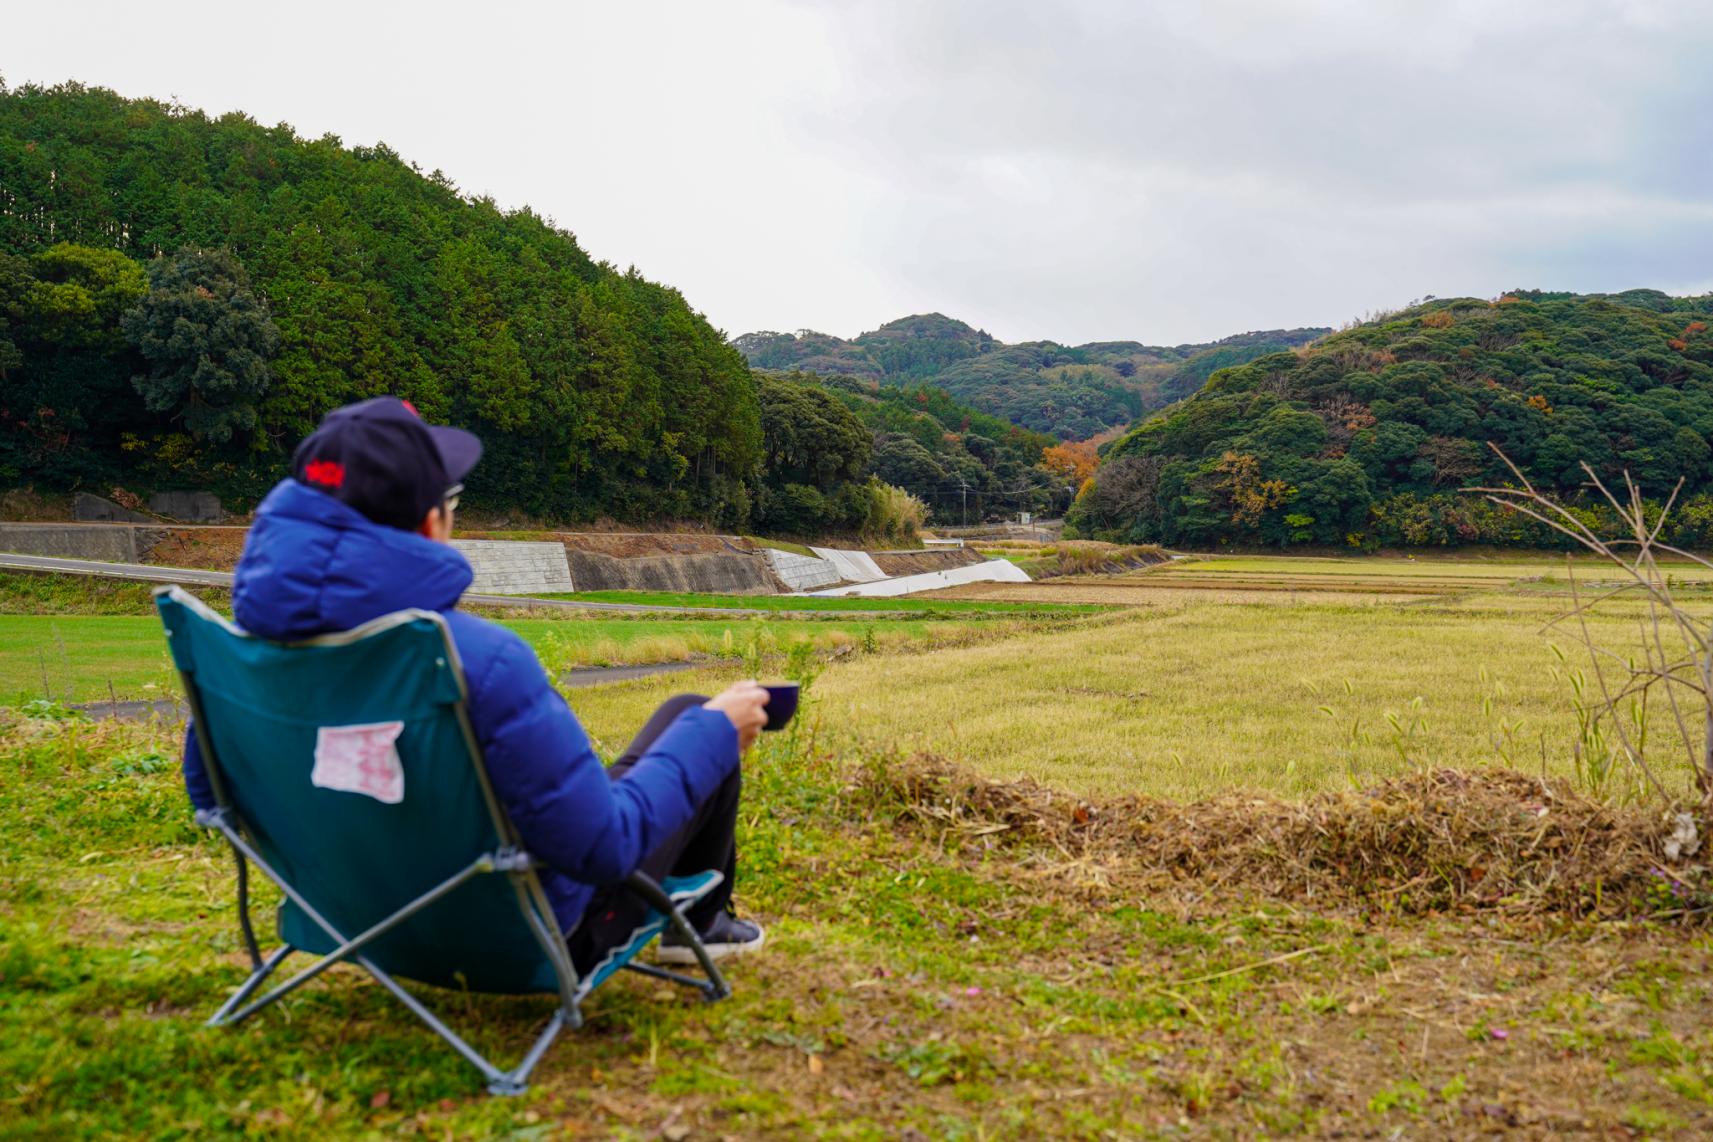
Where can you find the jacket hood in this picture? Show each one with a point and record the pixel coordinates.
(312, 565)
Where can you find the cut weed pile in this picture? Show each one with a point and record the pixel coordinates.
(1425, 842)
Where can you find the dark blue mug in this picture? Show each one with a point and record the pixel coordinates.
(781, 704)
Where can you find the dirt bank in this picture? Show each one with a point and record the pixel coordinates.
(897, 563)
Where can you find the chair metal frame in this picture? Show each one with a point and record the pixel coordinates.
(509, 859)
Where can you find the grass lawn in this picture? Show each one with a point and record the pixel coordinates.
(82, 658)
(918, 982)
(78, 658)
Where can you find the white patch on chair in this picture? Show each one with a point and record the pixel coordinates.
(360, 759)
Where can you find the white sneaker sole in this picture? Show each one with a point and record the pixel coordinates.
(679, 954)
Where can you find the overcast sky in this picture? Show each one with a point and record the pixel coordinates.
(1156, 171)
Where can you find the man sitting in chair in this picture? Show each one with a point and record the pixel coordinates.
(360, 530)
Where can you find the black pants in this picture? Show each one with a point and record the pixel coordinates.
(707, 840)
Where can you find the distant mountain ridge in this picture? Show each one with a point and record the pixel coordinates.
(1068, 391)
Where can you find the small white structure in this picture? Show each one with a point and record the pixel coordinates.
(505, 567)
(853, 566)
(942, 543)
(992, 571)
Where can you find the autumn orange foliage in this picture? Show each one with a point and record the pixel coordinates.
(1251, 496)
(1074, 462)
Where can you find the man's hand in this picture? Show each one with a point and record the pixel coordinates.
(743, 703)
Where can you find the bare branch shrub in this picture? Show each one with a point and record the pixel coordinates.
(1676, 663)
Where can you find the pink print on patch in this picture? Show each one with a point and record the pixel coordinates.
(360, 759)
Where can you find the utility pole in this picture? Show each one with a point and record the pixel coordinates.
(964, 500)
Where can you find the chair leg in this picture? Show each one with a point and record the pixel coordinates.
(517, 1080)
(701, 985)
(244, 909)
(715, 988)
(514, 1081)
(263, 970)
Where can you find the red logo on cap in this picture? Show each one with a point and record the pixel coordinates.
(412, 409)
(328, 473)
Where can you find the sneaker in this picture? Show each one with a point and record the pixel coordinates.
(726, 936)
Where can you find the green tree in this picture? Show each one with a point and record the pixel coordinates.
(904, 463)
(207, 339)
(66, 402)
(808, 437)
(815, 455)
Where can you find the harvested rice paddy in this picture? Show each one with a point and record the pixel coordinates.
(1290, 691)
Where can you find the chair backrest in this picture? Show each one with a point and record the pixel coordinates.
(350, 765)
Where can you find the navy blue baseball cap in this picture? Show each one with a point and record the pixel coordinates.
(379, 457)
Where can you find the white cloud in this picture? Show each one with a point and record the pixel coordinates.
(1165, 172)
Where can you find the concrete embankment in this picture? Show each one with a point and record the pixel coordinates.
(110, 543)
(505, 564)
(729, 573)
(513, 563)
(169, 545)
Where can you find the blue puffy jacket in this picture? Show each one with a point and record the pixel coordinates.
(312, 565)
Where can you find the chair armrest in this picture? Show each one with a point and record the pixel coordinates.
(649, 889)
(513, 860)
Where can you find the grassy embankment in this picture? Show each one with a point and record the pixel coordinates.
(1073, 557)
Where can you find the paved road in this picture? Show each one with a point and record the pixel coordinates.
(133, 571)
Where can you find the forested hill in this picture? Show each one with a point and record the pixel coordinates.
(1365, 437)
(1071, 392)
(310, 274)
(962, 463)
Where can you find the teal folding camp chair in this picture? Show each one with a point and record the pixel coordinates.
(344, 767)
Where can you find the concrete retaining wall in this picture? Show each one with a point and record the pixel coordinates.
(506, 568)
(801, 572)
(729, 573)
(852, 566)
(94, 509)
(105, 542)
(726, 572)
(188, 507)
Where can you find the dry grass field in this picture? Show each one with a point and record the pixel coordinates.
(1192, 691)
